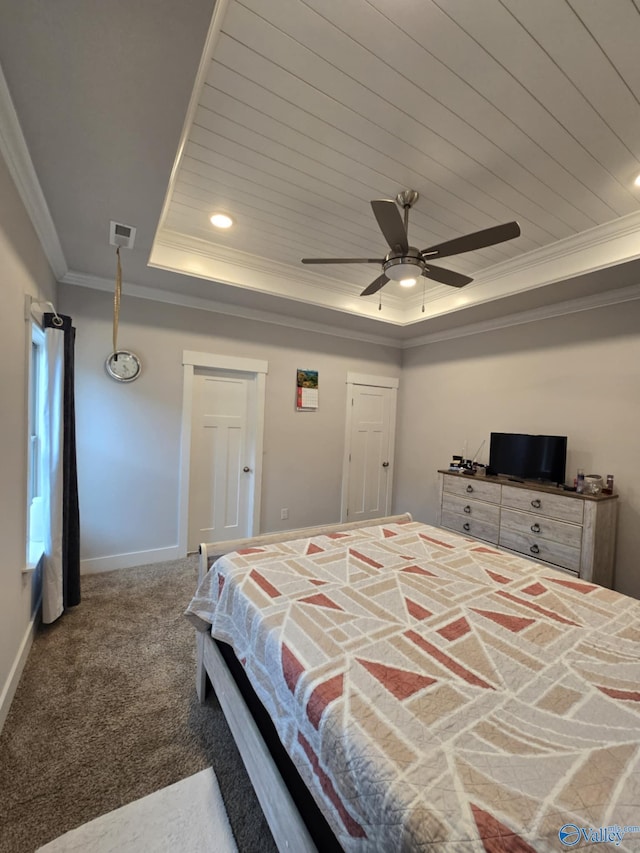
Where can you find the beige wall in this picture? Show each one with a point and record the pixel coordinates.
(129, 435)
(577, 376)
(23, 270)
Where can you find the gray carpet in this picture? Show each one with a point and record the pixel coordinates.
(106, 712)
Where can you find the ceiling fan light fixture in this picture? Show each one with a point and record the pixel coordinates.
(401, 270)
(408, 282)
(221, 220)
(636, 183)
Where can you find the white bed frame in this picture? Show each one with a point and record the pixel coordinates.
(287, 827)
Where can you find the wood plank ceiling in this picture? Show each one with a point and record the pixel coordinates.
(492, 110)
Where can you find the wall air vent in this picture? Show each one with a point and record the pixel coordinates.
(121, 235)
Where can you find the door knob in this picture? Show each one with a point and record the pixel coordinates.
(246, 469)
(385, 464)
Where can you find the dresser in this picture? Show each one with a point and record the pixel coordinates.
(569, 531)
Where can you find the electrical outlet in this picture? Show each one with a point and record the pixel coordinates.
(284, 514)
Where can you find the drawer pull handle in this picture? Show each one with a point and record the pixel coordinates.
(469, 488)
(535, 528)
(536, 504)
(534, 549)
(466, 526)
(467, 509)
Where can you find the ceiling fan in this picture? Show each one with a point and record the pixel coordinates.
(405, 263)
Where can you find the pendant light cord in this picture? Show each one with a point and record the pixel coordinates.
(116, 302)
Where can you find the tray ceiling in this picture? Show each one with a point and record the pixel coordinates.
(300, 113)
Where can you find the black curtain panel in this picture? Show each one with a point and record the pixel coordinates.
(70, 506)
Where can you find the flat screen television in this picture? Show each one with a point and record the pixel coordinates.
(529, 457)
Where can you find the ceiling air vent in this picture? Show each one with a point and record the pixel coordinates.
(121, 235)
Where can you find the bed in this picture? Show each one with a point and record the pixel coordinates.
(433, 693)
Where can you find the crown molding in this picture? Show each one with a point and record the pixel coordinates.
(571, 306)
(612, 243)
(198, 258)
(185, 301)
(560, 309)
(16, 154)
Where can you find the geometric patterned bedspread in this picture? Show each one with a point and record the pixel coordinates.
(438, 695)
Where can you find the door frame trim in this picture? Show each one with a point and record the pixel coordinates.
(191, 360)
(393, 383)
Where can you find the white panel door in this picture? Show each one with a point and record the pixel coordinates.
(370, 468)
(222, 457)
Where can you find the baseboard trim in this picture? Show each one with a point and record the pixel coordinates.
(129, 561)
(11, 684)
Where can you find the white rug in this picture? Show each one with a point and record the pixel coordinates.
(188, 816)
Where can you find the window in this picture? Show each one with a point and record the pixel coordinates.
(36, 476)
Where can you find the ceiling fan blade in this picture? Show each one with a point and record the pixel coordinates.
(375, 286)
(455, 279)
(391, 224)
(343, 260)
(471, 242)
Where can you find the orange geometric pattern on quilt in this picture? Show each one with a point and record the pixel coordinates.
(437, 695)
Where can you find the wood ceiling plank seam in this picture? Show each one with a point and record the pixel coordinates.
(469, 263)
(451, 175)
(619, 36)
(198, 154)
(330, 231)
(316, 66)
(302, 144)
(295, 158)
(302, 165)
(533, 230)
(475, 221)
(174, 223)
(270, 235)
(213, 103)
(373, 237)
(495, 124)
(497, 254)
(353, 214)
(268, 247)
(285, 172)
(603, 211)
(437, 190)
(254, 228)
(528, 114)
(557, 96)
(585, 64)
(422, 71)
(267, 219)
(298, 207)
(494, 119)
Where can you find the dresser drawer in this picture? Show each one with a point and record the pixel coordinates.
(541, 549)
(540, 527)
(478, 510)
(470, 526)
(542, 503)
(471, 487)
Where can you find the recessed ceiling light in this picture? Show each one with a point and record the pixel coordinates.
(221, 220)
(407, 282)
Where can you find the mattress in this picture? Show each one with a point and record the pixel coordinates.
(436, 694)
